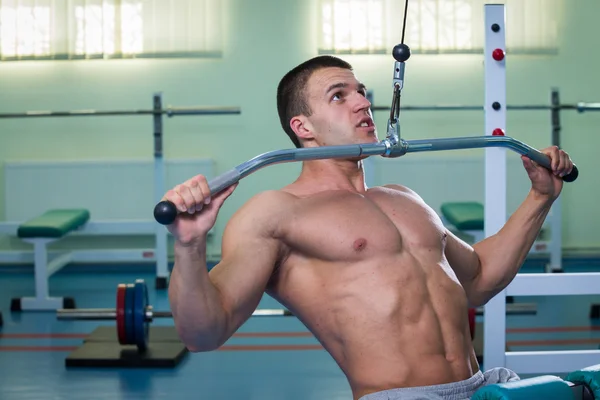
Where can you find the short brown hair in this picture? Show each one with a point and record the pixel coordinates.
(291, 96)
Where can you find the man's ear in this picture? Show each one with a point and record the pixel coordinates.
(302, 127)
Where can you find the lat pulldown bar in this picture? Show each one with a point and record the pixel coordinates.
(580, 107)
(165, 212)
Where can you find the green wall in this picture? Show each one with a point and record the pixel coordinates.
(263, 39)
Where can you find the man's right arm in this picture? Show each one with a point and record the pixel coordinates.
(209, 307)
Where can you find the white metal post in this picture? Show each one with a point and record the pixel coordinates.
(495, 172)
(42, 272)
(41, 269)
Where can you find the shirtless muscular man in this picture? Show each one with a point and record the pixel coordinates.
(396, 283)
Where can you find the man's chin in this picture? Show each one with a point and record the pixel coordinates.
(371, 138)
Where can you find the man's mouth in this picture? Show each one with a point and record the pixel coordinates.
(366, 123)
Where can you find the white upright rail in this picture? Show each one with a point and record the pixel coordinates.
(494, 328)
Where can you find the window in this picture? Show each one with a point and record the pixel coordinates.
(434, 26)
(71, 29)
(353, 26)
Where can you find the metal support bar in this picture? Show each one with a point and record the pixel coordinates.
(169, 111)
(550, 362)
(555, 116)
(582, 107)
(564, 284)
(514, 309)
(555, 264)
(161, 242)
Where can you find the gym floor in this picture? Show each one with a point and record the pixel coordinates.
(280, 360)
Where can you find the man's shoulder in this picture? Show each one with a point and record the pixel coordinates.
(398, 188)
(271, 197)
(263, 212)
(267, 204)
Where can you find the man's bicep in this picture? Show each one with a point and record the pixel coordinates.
(463, 259)
(249, 254)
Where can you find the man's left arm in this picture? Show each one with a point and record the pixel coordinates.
(490, 265)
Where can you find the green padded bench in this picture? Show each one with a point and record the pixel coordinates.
(468, 217)
(53, 224)
(40, 231)
(464, 216)
(589, 378)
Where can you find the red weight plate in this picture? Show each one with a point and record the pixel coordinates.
(121, 313)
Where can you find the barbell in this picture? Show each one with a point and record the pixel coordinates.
(134, 315)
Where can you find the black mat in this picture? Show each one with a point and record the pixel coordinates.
(102, 349)
(156, 334)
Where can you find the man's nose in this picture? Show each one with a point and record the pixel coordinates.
(362, 103)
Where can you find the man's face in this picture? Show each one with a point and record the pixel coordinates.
(341, 113)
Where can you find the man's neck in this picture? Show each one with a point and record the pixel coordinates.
(334, 174)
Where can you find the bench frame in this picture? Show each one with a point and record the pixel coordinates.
(43, 270)
(42, 256)
(581, 391)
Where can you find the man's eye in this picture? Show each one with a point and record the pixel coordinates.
(337, 96)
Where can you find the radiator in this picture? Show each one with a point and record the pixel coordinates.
(110, 189)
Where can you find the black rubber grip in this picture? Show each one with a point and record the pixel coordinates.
(165, 212)
(572, 175)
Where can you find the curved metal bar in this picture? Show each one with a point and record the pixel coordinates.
(232, 176)
(581, 107)
(165, 212)
(471, 142)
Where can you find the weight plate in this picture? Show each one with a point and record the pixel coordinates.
(129, 311)
(121, 333)
(139, 314)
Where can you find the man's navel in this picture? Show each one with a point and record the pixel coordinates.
(359, 244)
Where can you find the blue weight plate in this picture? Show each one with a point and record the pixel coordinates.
(129, 311)
(139, 314)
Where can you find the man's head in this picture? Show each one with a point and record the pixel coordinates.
(320, 102)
